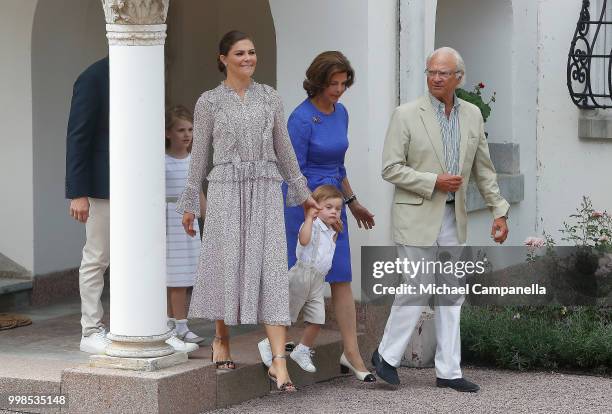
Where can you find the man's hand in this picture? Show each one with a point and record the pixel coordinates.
(448, 183)
(79, 209)
(499, 231)
(188, 219)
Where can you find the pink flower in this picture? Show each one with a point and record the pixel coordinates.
(603, 238)
(598, 213)
(534, 242)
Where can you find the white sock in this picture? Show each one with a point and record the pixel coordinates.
(181, 326)
(182, 329)
(303, 347)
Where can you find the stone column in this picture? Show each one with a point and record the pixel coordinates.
(136, 34)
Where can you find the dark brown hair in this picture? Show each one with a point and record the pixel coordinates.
(225, 45)
(174, 113)
(323, 67)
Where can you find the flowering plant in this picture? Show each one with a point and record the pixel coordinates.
(592, 229)
(475, 97)
(534, 243)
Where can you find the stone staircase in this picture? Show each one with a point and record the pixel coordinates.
(15, 284)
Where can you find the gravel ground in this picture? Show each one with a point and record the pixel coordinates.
(501, 391)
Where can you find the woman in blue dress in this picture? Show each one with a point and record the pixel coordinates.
(318, 129)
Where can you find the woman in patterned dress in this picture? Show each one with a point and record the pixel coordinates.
(242, 274)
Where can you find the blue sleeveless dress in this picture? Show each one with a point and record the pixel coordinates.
(320, 142)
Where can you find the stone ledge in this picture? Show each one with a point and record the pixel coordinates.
(595, 124)
(512, 188)
(506, 157)
(14, 285)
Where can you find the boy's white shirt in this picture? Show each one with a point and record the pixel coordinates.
(325, 253)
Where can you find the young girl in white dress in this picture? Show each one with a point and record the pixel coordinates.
(182, 251)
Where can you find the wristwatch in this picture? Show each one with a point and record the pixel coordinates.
(349, 200)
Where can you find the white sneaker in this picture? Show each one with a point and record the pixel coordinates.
(302, 356)
(181, 346)
(265, 352)
(95, 343)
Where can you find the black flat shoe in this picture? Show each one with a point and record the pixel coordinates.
(458, 384)
(384, 370)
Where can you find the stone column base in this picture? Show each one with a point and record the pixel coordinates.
(138, 364)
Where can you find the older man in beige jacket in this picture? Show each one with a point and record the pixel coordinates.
(434, 146)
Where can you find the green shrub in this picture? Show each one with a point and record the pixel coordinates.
(553, 337)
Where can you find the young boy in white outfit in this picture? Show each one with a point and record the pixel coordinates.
(315, 252)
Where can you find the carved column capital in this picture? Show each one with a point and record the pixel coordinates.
(135, 12)
(135, 22)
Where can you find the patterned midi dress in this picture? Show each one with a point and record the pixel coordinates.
(242, 275)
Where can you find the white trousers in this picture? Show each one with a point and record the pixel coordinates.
(404, 316)
(96, 256)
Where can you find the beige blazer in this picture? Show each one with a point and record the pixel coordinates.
(413, 156)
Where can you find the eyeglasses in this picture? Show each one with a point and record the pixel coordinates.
(444, 74)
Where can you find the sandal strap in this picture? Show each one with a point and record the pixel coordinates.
(221, 338)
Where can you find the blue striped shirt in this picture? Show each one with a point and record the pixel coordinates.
(451, 135)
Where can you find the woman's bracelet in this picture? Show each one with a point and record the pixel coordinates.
(349, 200)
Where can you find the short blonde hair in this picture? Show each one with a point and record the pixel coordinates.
(325, 192)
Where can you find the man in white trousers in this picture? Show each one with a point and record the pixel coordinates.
(434, 145)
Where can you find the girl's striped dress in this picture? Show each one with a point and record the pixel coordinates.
(182, 251)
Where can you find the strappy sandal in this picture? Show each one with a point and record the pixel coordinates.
(287, 386)
(225, 365)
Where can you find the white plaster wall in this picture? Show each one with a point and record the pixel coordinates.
(16, 208)
(567, 166)
(523, 220)
(366, 32)
(67, 36)
(481, 30)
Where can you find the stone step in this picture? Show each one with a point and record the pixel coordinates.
(193, 387)
(31, 376)
(14, 293)
(12, 270)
